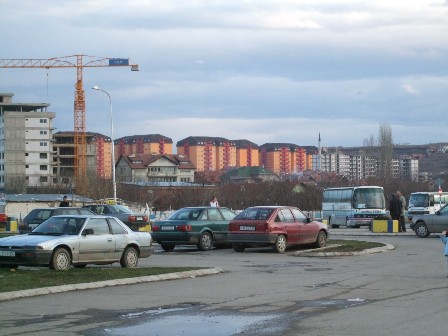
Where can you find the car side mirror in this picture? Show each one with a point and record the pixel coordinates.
(438, 213)
(87, 232)
(308, 220)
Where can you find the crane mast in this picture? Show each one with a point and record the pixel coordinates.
(79, 62)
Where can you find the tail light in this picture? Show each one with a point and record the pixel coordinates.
(155, 228)
(184, 228)
(133, 218)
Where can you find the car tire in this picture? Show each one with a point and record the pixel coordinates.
(129, 259)
(205, 241)
(60, 260)
(321, 240)
(280, 244)
(168, 247)
(239, 247)
(421, 230)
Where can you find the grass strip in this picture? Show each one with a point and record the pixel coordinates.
(28, 278)
(350, 245)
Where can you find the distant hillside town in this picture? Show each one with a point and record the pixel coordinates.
(33, 155)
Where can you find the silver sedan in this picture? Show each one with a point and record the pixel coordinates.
(78, 240)
(424, 225)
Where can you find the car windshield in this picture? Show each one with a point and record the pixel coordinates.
(117, 209)
(186, 214)
(255, 214)
(59, 226)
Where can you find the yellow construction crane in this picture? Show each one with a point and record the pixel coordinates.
(79, 62)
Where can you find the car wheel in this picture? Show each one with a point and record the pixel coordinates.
(205, 241)
(80, 265)
(60, 260)
(280, 244)
(167, 247)
(421, 230)
(239, 247)
(321, 240)
(129, 259)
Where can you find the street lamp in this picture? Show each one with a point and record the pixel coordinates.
(114, 184)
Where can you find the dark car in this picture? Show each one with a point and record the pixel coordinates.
(76, 240)
(201, 226)
(277, 226)
(39, 215)
(424, 225)
(135, 221)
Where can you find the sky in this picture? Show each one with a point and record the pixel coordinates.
(266, 71)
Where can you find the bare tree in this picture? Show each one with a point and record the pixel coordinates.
(386, 147)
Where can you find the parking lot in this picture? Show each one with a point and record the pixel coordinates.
(400, 292)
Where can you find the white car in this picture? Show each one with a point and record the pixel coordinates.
(76, 240)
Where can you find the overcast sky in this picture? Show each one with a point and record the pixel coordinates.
(265, 71)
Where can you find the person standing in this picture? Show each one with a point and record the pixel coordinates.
(64, 202)
(214, 202)
(402, 221)
(444, 238)
(395, 207)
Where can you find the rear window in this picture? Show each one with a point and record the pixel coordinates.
(186, 214)
(255, 214)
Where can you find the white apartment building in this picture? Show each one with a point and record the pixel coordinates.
(357, 167)
(26, 134)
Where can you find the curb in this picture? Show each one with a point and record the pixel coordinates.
(7, 296)
(321, 252)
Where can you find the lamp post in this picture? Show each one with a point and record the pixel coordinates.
(114, 184)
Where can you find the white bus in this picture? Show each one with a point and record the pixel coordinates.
(353, 206)
(427, 202)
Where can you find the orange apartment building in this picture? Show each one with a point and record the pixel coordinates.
(283, 158)
(143, 144)
(215, 153)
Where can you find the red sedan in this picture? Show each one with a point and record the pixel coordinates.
(277, 226)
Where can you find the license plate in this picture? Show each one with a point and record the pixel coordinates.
(168, 228)
(7, 253)
(247, 228)
(139, 218)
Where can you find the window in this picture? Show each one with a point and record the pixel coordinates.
(43, 121)
(43, 132)
(43, 144)
(99, 226)
(300, 217)
(43, 155)
(286, 216)
(43, 179)
(43, 167)
(116, 228)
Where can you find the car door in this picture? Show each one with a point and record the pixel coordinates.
(98, 246)
(217, 224)
(440, 221)
(307, 230)
(291, 227)
(120, 237)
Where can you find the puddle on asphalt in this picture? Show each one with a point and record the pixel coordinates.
(171, 322)
(192, 320)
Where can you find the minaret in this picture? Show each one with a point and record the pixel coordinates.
(319, 156)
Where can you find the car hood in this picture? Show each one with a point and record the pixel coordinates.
(27, 240)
